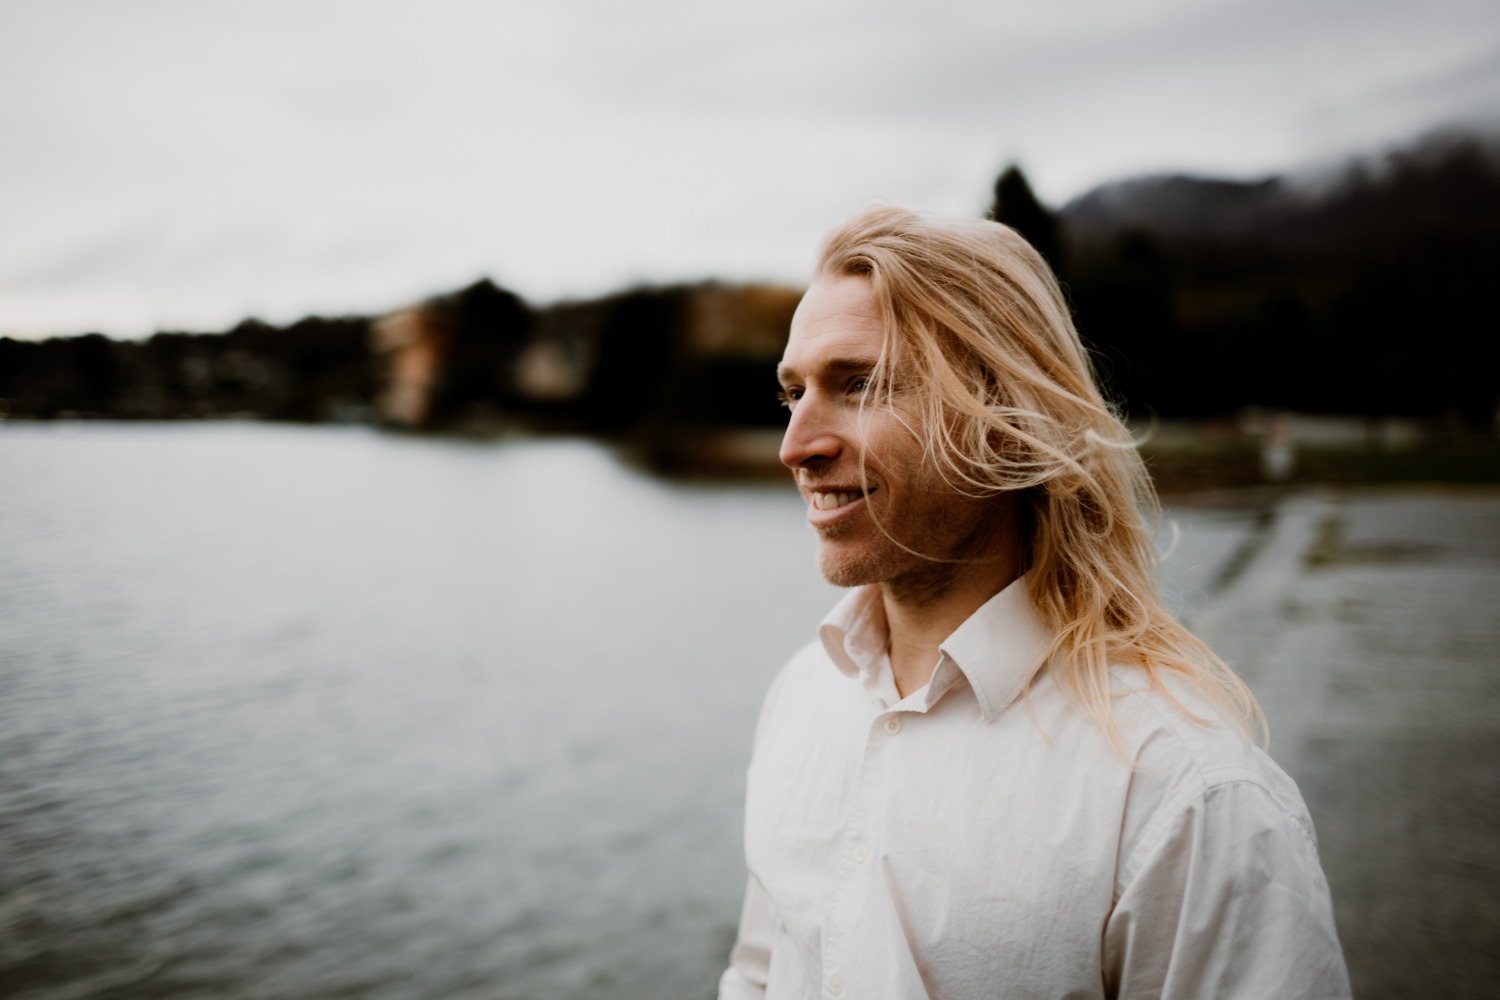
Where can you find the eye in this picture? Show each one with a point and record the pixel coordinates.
(788, 397)
(860, 383)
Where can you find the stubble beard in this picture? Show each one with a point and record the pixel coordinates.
(921, 563)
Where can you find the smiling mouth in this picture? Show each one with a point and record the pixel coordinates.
(834, 499)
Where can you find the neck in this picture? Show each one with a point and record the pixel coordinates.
(924, 608)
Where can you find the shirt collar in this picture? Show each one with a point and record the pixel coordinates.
(854, 632)
(998, 649)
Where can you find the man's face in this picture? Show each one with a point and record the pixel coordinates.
(835, 341)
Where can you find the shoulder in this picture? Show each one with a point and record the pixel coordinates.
(1176, 729)
(1216, 839)
(1192, 764)
(808, 679)
(808, 670)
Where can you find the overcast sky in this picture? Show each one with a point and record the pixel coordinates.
(186, 163)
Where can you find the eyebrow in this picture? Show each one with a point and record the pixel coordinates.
(833, 369)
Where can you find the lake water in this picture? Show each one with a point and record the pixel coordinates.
(325, 712)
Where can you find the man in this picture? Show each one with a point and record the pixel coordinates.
(1003, 770)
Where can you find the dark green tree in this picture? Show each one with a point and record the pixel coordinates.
(1017, 206)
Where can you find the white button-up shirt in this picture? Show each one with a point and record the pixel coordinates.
(974, 840)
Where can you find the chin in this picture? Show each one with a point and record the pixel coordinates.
(845, 576)
(852, 569)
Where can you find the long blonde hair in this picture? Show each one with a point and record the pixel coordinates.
(981, 348)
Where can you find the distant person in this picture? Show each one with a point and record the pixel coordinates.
(1003, 769)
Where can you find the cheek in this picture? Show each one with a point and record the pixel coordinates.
(893, 451)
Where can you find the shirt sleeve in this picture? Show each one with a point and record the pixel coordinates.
(750, 959)
(1228, 900)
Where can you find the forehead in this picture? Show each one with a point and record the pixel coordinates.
(837, 322)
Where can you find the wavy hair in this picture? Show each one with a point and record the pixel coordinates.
(981, 356)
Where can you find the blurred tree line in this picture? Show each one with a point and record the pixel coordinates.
(1364, 292)
(644, 360)
(314, 370)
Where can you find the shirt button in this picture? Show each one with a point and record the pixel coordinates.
(893, 725)
(835, 984)
(861, 852)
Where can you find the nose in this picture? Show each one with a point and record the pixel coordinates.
(812, 437)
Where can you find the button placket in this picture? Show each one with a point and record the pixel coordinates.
(851, 861)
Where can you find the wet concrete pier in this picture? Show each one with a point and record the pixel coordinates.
(1368, 623)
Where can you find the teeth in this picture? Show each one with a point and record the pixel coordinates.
(829, 501)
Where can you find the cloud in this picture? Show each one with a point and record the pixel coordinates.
(278, 155)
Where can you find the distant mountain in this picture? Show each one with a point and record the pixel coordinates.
(1446, 184)
(1171, 207)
